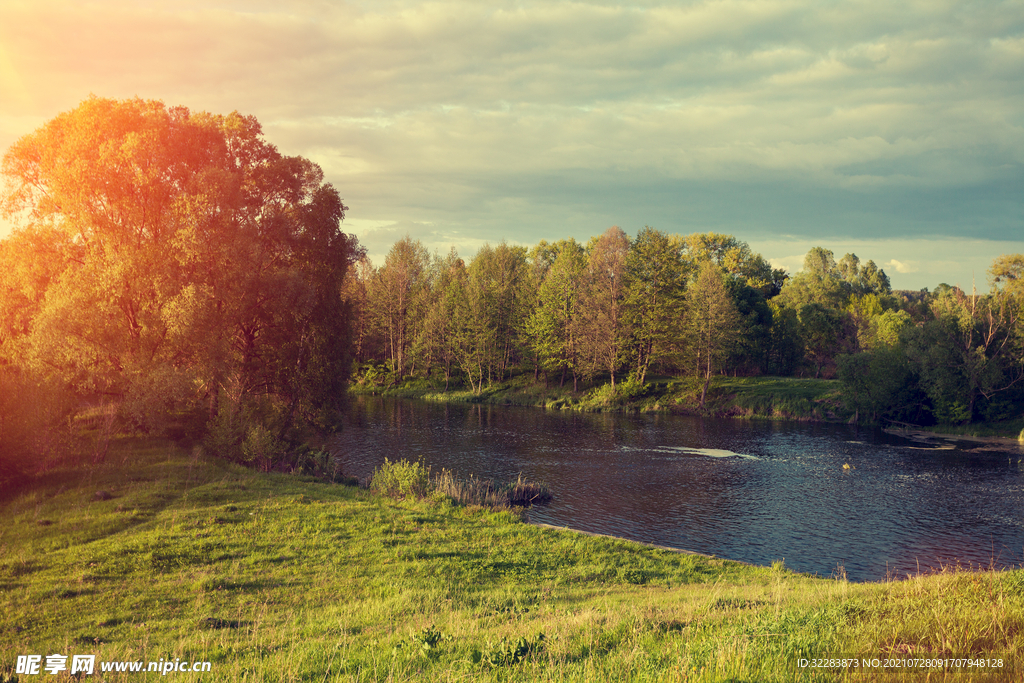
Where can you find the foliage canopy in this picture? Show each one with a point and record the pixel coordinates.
(170, 259)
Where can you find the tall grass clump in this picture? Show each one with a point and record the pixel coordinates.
(402, 479)
(521, 492)
(484, 492)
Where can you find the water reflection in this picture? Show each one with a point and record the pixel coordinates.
(751, 491)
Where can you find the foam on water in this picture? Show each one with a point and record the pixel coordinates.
(711, 452)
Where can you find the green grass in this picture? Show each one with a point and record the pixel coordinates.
(785, 398)
(280, 578)
(780, 398)
(767, 398)
(1011, 429)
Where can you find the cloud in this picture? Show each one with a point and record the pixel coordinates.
(523, 120)
(902, 267)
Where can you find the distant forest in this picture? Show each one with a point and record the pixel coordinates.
(616, 310)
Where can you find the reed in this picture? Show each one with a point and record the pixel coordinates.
(484, 492)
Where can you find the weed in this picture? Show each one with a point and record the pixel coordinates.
(428, 641)
(508, 652)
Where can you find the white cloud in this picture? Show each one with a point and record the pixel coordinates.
(903, 267)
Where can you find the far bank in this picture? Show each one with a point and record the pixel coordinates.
(760, 398)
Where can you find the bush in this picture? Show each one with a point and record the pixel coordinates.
(35, 422)
(261, 449)
(323, 465)
(401, 479)
(225, 432)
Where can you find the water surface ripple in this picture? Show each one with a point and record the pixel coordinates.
(744, 490)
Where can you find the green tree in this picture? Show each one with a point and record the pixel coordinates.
(879, 384)
(467, 333)
(886, 328)
(555, 325)
(785, 346)
(398, 296)
(964, 353)
(188, 260)
(736, 258)
(603, 301)
(437, 333)
(820, 282)
(821, 331)
(499, 277)
(1007, 278)
(712, 323)
(654, 308)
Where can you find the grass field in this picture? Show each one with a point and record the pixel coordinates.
(273, 577)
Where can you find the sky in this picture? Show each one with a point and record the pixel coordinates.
(891, 130)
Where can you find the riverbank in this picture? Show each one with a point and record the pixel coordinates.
(161, 554)
(780, 398)
(757, 398)
(988, 441)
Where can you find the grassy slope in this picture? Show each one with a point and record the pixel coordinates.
(279, 578)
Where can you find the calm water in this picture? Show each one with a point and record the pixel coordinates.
(751, 491)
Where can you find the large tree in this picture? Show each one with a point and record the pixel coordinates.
(965, 354)
(399, 298)
(655, 282)
(176, 257)
(603, 300)
(556, 325)
(499, 278)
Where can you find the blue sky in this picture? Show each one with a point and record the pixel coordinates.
(895, 131)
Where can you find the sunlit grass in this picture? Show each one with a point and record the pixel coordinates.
(281, 578)
(784, 398)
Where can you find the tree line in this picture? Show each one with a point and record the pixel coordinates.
(174, 270)
(615, 310)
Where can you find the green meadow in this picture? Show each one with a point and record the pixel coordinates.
(158, 553)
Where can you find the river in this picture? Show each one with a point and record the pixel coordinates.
(753, 491)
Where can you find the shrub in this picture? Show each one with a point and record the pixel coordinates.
(324, 465)
(401, 479)
(35, 422)
(261, 449)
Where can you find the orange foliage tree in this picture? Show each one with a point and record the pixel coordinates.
(174, 260)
